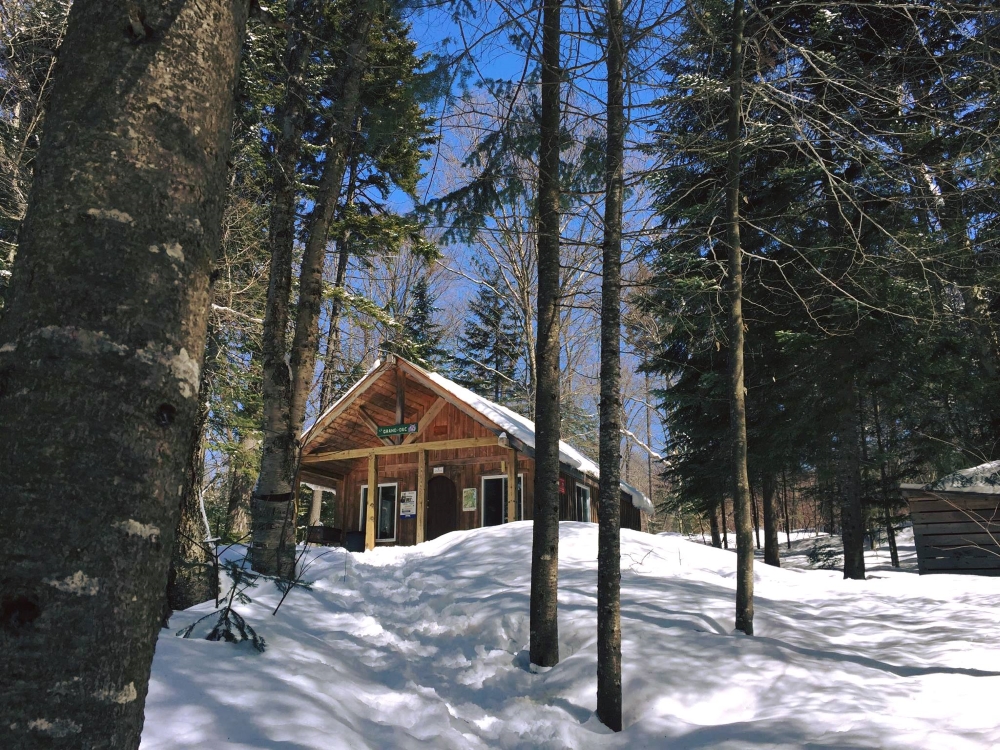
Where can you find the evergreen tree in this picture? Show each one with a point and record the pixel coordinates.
(489, 349)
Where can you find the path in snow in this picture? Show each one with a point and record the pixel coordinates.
(424, 647)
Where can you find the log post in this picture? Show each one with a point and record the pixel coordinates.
(421, 496)
(511, 485)
(372, 494)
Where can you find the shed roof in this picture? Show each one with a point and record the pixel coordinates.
(514, 424)
(979, 480)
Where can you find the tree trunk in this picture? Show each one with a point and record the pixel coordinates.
(713, 521)
(737, 392)
(544, 625)
(609, 633)
(274, 498)
(756, 517)
(331, 361)
(101, 345)
(242, 471)
(849, 478)
(890, 532)
(272, 508)
(771, 554)
(193, 578)
(784, 506)
(725, 524)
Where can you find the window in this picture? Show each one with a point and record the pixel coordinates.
(385, 512)
(494, 507)
(582, 503)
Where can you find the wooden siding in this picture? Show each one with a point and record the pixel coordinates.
(955, 532)
(349, 427)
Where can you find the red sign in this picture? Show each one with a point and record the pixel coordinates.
(562, 485)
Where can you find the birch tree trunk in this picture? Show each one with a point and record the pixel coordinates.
(544, 626)
(737, 392)
(100, 355)
(609, 632)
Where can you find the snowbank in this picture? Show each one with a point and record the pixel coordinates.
(424, 647)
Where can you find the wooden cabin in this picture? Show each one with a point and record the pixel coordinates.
(442, 459)
(956, 521)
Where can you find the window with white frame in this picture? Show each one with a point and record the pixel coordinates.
(494, 504)
(582, 503)
(386, 511)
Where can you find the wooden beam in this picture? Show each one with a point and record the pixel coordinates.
(421, 496)
(320, 478)
(392, 450)
(372, 494)
(370, 421)
(511, 485)
(346, 400)
(457, 403)
(400, 401)
(425, 420)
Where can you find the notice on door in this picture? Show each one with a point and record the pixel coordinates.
(408, 504)
(469, 498)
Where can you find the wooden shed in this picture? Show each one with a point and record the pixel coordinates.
(442, 459)
(956, 521)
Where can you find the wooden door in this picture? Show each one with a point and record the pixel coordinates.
(442, 507)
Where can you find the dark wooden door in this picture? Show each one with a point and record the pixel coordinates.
(442, 507)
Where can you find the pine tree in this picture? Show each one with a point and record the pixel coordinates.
(489, 349)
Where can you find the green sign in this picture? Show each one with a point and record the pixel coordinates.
(397, 429)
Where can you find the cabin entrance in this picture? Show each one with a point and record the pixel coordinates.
(442, 507)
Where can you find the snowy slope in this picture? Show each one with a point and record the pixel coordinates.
(424, 647)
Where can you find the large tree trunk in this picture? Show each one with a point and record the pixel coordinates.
(544, 624)
(771, 554)
(737, 392)
(101, 345)
(274, 498)
(609, 632)
(272, 507)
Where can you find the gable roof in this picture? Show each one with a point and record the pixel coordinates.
(492, 415)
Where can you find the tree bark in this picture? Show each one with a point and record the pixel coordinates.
(241, 480)
(274, 506)
(101, 347)
(713, 521)
(331, 360)
(890, 532)
(849, 478)
(737, 392)
(193, 578)
(756, 516)
(784, 506)
(544, 625)
(609, 633)
(771, 553)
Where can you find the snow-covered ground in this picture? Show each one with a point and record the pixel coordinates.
(425, 647)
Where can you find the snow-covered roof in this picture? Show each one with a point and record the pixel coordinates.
(981, 480)
(523, 429)
(514, 424)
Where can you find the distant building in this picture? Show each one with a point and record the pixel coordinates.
(956, 521)
(442, 458)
